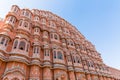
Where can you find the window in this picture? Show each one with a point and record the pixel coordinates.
(55, 54)
(74, 59)
(52, 24)
(56, 37)
(25, 24)
(6, 42)
(36, 29)
(77, 59)
(36, 18)
(43, 21)
(27, 13)
(72, 44)
(22, 45)
(15, 44)
(20, 23)
(36, 49)
(51, 36)
(59, 55)
(3, 40)
(46, 53)
(27, 48)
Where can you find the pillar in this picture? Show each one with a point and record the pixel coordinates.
(47, 73)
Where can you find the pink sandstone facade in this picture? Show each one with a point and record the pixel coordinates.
(39, 45)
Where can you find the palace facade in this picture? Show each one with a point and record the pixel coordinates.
(39, 45)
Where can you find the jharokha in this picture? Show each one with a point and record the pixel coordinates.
(39, 45)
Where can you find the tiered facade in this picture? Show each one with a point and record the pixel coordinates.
(39, 45)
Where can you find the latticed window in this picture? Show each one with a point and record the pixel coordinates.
(22, 45)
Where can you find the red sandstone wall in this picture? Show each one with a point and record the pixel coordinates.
(115, 72)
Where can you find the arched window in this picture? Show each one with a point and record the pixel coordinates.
(36, 18)
(15, 44)
(36, 29)
(59, 54)
(3, 40)
(22, 45)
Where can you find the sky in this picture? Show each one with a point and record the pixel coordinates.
(97, 20)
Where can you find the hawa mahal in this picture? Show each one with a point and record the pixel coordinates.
(39, 45)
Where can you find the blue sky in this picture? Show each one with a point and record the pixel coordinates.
(97, 20)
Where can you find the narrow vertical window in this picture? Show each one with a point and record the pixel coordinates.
(6, 42)
(51, 36)
(37, 50)
(15, 44)
(25, 24)
(27, 48)
(55, 54)
(20, 23)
